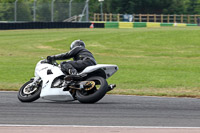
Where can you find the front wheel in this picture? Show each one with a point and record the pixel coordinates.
(29, 93)
(94, 94)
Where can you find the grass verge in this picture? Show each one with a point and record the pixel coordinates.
(152, 61)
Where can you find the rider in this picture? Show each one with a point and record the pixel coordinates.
(81, 56)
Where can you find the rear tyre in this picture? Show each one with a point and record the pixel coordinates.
(94, 94)
(29, 93)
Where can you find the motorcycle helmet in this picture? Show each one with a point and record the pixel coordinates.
(77, 43)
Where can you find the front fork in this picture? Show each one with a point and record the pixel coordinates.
(33, 86)
(36, 81)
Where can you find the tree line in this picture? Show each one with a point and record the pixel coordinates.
(25, 8)
(149, 6)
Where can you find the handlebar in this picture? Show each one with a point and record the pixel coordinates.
(52, 62)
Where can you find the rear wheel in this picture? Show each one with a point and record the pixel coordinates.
(95, 92)
(29, 93)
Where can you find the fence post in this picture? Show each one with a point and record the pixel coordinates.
(195, 19)
(15, 11)
(140, 17)
(34, 10)
(52, 10)
(94, 16)
(101, 3)
(161, 18)
(188, 19)
(105, 16)
(87, 11)
(147, 17)
(168, 18)
(154, 17)
(133, 17)
(174, 18)
(110, 17)
(181, 18)
(118, 17)
(70, 5)
(98, 17)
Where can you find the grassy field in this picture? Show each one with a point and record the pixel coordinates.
(152, 61)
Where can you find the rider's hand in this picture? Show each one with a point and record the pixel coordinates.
(50, 58)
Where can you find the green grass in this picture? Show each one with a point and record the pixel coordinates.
(152, 61)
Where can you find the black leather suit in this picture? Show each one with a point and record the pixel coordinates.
(81, 56)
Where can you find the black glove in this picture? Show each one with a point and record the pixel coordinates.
(50, 58)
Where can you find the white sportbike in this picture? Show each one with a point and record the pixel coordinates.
(50, 83)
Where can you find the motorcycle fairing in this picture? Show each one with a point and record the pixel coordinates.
(108, 69)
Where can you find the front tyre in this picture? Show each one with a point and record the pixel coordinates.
(96, 93)
(29, 93)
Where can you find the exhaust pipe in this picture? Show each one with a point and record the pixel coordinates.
(111, 87)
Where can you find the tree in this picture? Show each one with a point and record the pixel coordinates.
(7, 10)
(61, 8)
(193, 7)
(43, 10)
(24, 9)
(175, 7)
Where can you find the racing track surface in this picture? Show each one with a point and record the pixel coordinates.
(112, 110)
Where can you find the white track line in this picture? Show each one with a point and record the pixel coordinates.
(87, 126)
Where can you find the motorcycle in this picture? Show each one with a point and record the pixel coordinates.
(50, 83)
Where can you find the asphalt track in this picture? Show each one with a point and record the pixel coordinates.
(112, 110)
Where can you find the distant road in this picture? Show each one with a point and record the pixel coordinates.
(112, 110)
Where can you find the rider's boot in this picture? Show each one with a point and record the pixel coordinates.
(72, 71)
